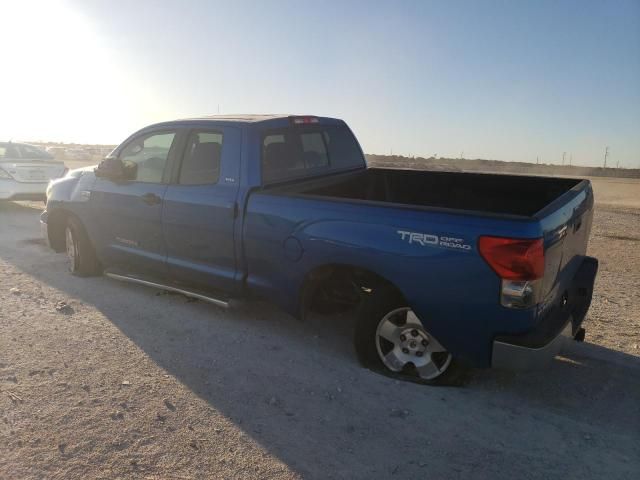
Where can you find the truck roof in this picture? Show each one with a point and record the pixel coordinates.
(276, 120)
(241, 117)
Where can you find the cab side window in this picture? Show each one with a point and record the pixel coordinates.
(201, 162)
(145, 158)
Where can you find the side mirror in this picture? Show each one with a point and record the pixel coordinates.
(110, 168)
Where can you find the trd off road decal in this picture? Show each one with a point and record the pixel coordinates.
(427, 239)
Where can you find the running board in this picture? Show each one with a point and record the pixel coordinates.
(216, 301)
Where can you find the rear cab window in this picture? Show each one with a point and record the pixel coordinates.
(306, 150)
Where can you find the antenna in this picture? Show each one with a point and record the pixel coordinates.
(606, 154)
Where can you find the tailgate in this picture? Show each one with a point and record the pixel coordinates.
(566, 224)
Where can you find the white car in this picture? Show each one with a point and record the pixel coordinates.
(25, 171)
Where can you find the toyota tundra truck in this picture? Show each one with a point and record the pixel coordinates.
(442, 270)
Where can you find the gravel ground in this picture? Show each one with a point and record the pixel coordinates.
(100, 379)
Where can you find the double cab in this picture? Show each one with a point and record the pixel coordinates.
(442, 270)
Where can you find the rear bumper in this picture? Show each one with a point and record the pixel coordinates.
(13, 190)
(511, 356)
(558, 324)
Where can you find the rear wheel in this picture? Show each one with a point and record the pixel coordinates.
(391, 339)
(82, 260)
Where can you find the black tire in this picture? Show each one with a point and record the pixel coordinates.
(375, 307)
(83, 261)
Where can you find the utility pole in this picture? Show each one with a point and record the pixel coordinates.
(606, 154)
(462, 155)
(537, 160)
(563, 155)
(570, 159)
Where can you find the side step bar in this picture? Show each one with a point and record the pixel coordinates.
(216, 301)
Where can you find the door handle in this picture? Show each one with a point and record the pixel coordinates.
(151, 199)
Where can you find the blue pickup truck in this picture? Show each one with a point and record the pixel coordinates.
(442, 269)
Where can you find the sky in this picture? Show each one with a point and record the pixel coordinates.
(506, 80)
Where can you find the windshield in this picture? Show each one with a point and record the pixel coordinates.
(31, 152)
(22, 152)
(308, 150)
(8, 151)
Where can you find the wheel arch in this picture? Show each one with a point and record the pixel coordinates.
(364, 280)
(56, 224)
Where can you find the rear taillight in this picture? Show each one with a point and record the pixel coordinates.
(513, 259)
(520, 265)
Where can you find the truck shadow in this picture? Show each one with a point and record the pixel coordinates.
(20, 211)
(297, 389)
(8, 207)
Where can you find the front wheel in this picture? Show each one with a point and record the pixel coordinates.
(391, 339)
(82, 260)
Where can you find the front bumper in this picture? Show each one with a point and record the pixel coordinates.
(560, 323)
(14, 190)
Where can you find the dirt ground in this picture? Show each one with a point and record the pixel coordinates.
(100, 379)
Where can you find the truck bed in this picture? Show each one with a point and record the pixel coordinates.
(488, 193)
